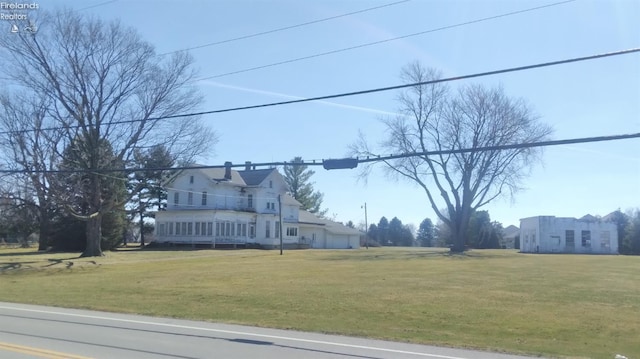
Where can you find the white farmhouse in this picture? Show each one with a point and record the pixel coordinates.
(550, 234)
(223, 207)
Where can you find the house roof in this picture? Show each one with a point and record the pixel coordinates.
(588, 218)
(217, 174)
(255, 177)
(287, 199)
(510, 231)
(305, 217)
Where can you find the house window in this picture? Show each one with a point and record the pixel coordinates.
(191, 179)
(250, 201)
(218, 229)
(209, 228)
(273, 206)
(238, 229)
(586, 238)
(183, 230)
(252, 230)
(197, 228)
(177, 228)
(268, 229)
(204, 198)
(270, 184)
(233, 229)
(171, 228)
(190, 199)
(292, 231)
(176, 198)
(190, 228)
(244, 229)
(277, 229)
(569, 238)
(162, 229)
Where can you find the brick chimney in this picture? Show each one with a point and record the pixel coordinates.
(227, 171)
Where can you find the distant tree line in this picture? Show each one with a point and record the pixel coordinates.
(481, 233)
(391, 233)
(628, 225)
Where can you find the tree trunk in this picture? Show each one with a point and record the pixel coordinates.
(94, 237)
(459, 231)
(43, 238)
(141, 226)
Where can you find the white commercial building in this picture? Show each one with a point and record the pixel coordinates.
(550, 234)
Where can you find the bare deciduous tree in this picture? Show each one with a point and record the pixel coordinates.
(435, 118)
(104, 88)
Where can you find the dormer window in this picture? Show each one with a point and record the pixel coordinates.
(191, 179)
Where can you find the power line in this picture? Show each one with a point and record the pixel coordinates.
(96, 5)
(365, 159)
(244, 37)
(431, 82)
(355, 93)
(384, 41)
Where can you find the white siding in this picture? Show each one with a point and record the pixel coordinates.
(548, 234)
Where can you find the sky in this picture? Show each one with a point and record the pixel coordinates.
(594, 98)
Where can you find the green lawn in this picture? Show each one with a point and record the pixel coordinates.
(554, 305)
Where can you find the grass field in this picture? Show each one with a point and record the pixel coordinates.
(553, 305)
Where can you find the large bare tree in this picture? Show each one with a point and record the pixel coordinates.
(431, 118)
(104, 87)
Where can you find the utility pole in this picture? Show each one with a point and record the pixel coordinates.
(280, 222)
(366, 227)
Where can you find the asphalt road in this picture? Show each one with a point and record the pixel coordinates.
(28, 331)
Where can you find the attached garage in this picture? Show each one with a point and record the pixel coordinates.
(325, 234)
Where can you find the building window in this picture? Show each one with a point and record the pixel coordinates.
(292, 231)
(190, 199)
(191, 179)
(209, 228)
(197, 228)
(218, 229)
(270, 184)
(204, 198)
(176, 198)
(277, 229)
(171, 228)
(586, 238)
(252, 230)
(605, 240)
(161, 229)
(238, 229)
(177, 228)
(190, 228)
(569, 238)
(250, 201)
(244, 230)
(183, 230)
(267, 232)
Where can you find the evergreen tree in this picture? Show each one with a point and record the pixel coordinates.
(297, 176)
(426, 233)
(383, 231)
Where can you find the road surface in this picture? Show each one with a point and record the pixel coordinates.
(28, 331)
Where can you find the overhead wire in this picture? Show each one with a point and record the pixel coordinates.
(383, 41)
(361, 159)
(354, 93)
(257, 34)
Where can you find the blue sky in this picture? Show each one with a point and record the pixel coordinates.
(600, 97)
